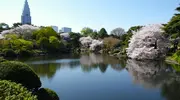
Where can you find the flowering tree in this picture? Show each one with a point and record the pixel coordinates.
(148, 43)
(25, 31)
(88, 42)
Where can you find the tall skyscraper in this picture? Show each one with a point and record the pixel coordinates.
(26, 17)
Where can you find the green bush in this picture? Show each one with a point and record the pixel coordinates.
(46, 94)
(20, 73)
(25, 53)
(14, 91)
(9, 53)
(176, 56)
(2, 59)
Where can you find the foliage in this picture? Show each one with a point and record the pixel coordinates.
(86, 31)
(173, 26)
(46, 32)
(16, 24)
(176, 56)
(148, 43)
(24, 53)
(54, 42)
(102, 33)
(95, 35)
(110, 43)
(14, 91)
(117, 32)
(176, 67)
(21, 44)
(2, 60)
(9, 53)
(134, 29)
(3, 26)
(20, 73)
(17, 44)
(43, 43)
(74, 40)
(46, 94)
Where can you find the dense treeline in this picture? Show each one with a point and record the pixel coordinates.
(172, 31)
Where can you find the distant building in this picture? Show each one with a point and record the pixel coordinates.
(66, 30)
(26, 17)
(55, 28)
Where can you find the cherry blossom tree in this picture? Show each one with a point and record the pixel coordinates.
(92, 44)
(148, 43)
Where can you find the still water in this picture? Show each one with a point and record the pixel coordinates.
(100, 77)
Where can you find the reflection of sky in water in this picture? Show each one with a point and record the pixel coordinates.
(98, 77)
(52, 61)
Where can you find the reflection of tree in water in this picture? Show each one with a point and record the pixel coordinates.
(171, 90)
(46, 70)
(149, 73)
(103, 67)
(156, 74)
(94, 61)
(49, 68)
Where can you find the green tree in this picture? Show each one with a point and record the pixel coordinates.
(16, 24)
(43, 43)
(86, 31)
(94, 35)
(54, 42)
(44, 32)
(102, 33)
(172, 28)
(3, 26)
(74, 40)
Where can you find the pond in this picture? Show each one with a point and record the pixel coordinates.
(101, 77)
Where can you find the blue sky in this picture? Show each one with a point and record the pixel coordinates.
(95, 14)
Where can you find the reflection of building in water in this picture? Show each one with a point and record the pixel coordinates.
(149, 73)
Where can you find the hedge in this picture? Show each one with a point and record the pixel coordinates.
(13, 91)
(46, 94)
(20, 73)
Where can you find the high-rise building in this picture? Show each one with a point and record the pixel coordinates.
(26, 17)
(66, 30)
(55, 28)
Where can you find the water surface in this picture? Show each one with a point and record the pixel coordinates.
(100, 77)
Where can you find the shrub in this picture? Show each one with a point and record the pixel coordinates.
(20, 73)
(46, 94)
(176, 56)
(110, 43)
(2, 59)
(9, 53)
(25, 53)
(14, 91)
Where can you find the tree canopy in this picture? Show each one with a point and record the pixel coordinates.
(172, 28)
(102, 33)
(86, 31)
